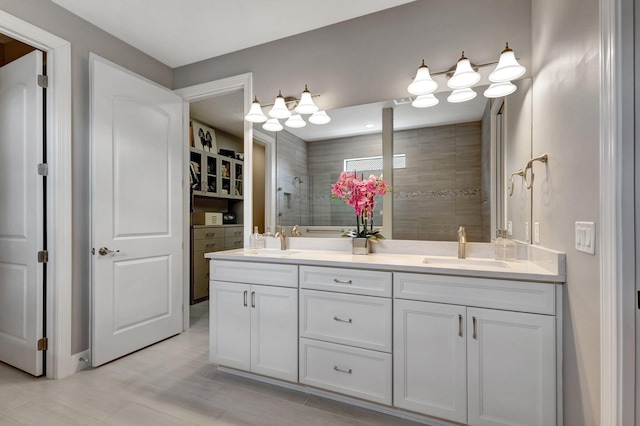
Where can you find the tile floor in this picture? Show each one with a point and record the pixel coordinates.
(169, 383)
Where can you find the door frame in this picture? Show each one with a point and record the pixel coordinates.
(198, 92)
(59, 236)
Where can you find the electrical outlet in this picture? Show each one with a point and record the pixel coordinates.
(536, 232)
(509, 227)
(526, 231)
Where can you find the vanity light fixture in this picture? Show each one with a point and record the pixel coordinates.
(272, 125)
(255, 114)
(306, 105)
(422, 84)
(279, 109)
(508, 67)
(425, 101)
(462, 95)
(498, 90)
(464, 76)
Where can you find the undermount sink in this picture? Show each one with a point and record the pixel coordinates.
(465, 263)
(271, 252)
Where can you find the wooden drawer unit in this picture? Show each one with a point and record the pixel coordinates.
(519, 296)
(351, 371)
(362, 321)
(208, 233)
(254, 273)
(341, 280)
(233, 242)
(233, 231)
(206, 246)
(203, 240)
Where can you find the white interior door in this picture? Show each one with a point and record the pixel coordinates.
(21, 214)
(137, 218)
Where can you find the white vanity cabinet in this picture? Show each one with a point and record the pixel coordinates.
(345, 332)
(471, 359)
(254, 318)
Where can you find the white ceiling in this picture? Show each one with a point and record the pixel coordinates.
(183, 32)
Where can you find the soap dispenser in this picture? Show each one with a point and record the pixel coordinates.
(256, 240)
(505, 248)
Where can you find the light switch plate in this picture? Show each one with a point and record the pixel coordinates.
(586, 237)
(510, 227)
(526, 231)
(536, 232)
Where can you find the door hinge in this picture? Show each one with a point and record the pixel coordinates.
(43, 169)
(43, 81)
(43, 344)
(43, 256)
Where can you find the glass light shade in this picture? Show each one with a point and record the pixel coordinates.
(272, 125)
(462, 95)
(425, 101)
(422, 84)
(255, 114)
(508, 67)
(295, 122)
(279, 109)
(464, 76)
(306, 105)
(319, 117)
(497, 90)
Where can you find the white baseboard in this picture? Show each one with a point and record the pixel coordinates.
(80, 361)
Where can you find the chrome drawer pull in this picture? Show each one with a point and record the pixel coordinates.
(245, 298)
(341, 320)
(335, 280)
(335, 367)
(210, 234)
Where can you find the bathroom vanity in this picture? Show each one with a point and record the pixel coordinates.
(429, 338)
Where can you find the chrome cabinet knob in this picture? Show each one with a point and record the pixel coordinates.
(105, 251)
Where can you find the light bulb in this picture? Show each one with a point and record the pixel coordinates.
(295, 122)
(422, 84)
(319, 117)
(425, 101)
(462, 95)
(272, 125)
(279, 109)
(497, 90)
(255, 114)
(306, 105)
(508, 67)
(464, 76)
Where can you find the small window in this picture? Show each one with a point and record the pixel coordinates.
(373, 163)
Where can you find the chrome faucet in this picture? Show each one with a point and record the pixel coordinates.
(283, 238)
(462, 243)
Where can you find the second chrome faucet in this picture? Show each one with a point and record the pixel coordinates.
(462, 243)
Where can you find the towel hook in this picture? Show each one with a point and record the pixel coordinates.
(541, 158)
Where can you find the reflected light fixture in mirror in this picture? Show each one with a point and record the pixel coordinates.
(498, 90)
(425, 101)
(281, 109)
(462, 95)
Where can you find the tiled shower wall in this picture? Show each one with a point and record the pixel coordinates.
(439, 190)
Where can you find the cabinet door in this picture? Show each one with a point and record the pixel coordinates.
(230, 324)
(430, 374)
(274, 332)
(511, 368)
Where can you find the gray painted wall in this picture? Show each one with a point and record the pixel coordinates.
(84, 38)
(566, 83)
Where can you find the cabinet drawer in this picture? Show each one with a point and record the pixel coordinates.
(233, 231)
(362, 321)
(481, 292)
(210, 244)
(233, 242)
(199, 259)
(208, 233)
(355, 281)
(351, 371)
(254, 273)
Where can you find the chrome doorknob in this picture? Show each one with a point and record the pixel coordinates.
(105, 251)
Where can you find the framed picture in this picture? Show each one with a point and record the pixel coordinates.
(204, 137)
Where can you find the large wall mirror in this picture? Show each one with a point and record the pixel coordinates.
(452, 166)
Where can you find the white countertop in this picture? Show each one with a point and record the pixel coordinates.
(522, 270)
